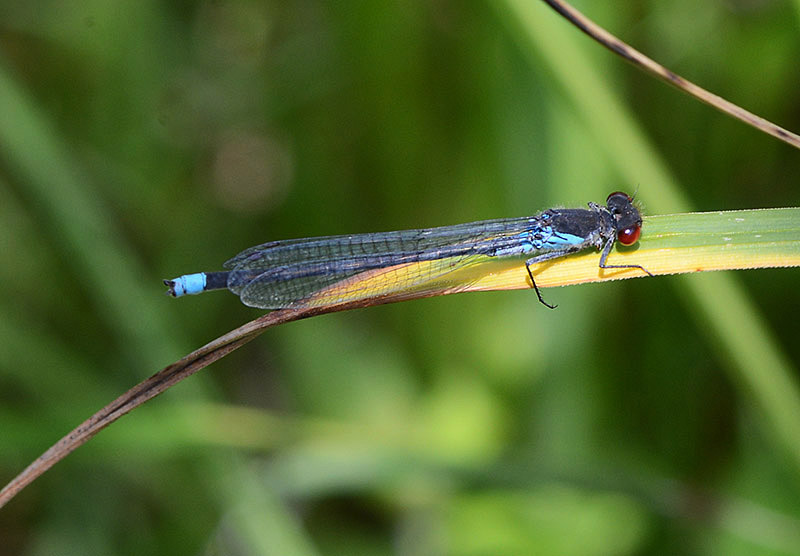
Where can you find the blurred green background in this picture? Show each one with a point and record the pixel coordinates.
(143, 140)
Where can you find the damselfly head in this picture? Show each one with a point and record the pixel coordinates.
(617, 199)
(627, 220)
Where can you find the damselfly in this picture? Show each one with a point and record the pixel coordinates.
(323, 271)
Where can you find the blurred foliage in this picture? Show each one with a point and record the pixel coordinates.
(143, 140)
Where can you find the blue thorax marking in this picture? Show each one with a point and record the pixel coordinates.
(562, 240)
(540, 238)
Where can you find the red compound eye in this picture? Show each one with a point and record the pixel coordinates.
(629, 236)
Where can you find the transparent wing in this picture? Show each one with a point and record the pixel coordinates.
(319, 249)
(411, 279)
(326, 270)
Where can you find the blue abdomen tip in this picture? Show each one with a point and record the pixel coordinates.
(188, 284)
